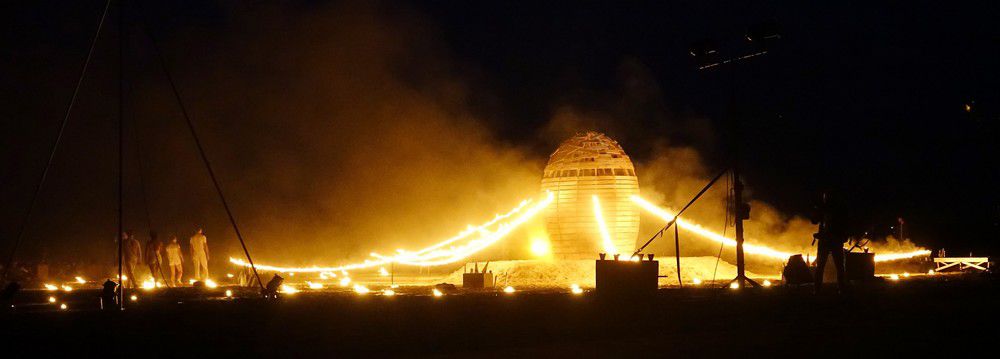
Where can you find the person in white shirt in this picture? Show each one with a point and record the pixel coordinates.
(199, 255)
(175, 260)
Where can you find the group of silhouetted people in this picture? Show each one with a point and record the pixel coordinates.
(156, 251)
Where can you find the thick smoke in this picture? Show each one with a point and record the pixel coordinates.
(349, 137)
(337, 131)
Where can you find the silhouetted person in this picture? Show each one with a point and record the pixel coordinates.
(199, 255)
(154, 256)
(271, 289)
(175, 259)
(133, 257)
(109, 295)
(831, 216)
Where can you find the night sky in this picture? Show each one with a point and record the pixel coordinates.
(866, 98)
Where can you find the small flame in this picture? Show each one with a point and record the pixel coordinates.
(51, 287)
(52, 299)
(696, 281)
(509, 290)
(388, 292)
(575, 288)
(81, 280)
(437, 293)
(360, 289)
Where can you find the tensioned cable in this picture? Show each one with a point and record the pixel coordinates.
(678, 215)
(133, 131)
(197, 141)
(55, 145)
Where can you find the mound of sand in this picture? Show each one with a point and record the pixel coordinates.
(549, 273)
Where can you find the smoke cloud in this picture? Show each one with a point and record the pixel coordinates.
(340, 130)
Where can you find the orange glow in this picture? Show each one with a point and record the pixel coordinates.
(607, 243)
(435, 255)
(755, 249)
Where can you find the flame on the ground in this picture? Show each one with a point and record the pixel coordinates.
(755, 249)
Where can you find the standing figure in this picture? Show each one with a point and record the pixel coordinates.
(831, 216)
(175, 259)
(133, 257)
(199, 254)
(154, 257)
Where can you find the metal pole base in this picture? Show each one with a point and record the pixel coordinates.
(742, 281)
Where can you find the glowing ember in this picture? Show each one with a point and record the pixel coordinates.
(575, 289)
(52, 299)
(540, 247)
(696, 281)
(509, 290)
(211, 283)
(931, 272)
(148, 284)
(133, 298)
(606, 242)
(345, 282)
(67, 288)
(437, 293)
(314, 285)
(287, 289)
(50, 287)
(894, 276)
(360, 289)
(63, 306)
(229, 293)
(229, 275)
(81, 280)
(734, 285)
(766, 283)
(906, 274)
(388, 292)
(191, 281)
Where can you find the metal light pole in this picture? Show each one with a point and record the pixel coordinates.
(706, 54)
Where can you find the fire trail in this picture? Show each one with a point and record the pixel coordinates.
(437, 254)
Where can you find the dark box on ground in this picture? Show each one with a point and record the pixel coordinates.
(618, 277)
(859, 266)
(477, 280)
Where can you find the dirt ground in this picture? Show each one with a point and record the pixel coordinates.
(916, 316)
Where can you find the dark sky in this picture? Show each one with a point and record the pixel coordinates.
(866, 97)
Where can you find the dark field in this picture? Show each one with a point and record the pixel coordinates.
(916, 316)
